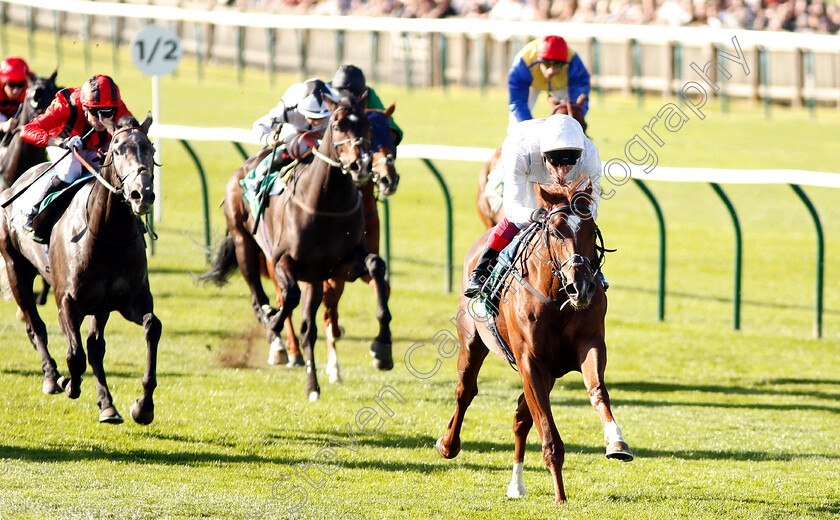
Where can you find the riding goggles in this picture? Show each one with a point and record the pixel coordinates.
(16, 84)
(103, 112)
(553, 64)
(567, 157)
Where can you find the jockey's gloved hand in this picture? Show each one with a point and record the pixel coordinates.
(73, 142)
(538, 214)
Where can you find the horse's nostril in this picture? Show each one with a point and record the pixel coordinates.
(571, 290)
(135, 195)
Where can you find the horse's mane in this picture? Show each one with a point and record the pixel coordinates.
(563, 191)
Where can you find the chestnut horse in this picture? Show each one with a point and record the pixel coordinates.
(490, 209)
(97, 265)
(384, 179)
(554, 327)
(312, 232)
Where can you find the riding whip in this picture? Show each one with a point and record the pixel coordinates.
(22, 189)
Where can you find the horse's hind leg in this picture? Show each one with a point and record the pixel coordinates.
(522, 423)
(312, 293)
(381, 347)
(96, 355)
(21, 274)
(593, 362)
(470, 359)
(333, 289)
(142, 313)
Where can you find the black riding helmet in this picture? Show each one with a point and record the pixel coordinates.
(350, 78)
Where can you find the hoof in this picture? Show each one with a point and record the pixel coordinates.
(277, 354)
(329, 335)
(73, 392)
(515, 490)
(451, 453)
(314, 396)
(141, 416)
(110, 415)
(51, 386)
(619, 450)
(295, 361)
(382, 355)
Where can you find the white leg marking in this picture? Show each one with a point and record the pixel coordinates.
(516, 488)
(612, 432)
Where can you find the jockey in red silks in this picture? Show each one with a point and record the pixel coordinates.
(75, 112)
(545, 65)
(14, 77)
(533, 152)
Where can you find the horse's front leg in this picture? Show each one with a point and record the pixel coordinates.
(142, 313)
(593, 362)
(312, 293)
(381, 347)
(333, 289)
(70, 320)
(537, 382)
(96, 356)
(285, 276)
(470, 359)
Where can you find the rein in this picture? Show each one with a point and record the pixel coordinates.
(95, 173)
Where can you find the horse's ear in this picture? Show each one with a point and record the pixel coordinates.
(547, 196)
(110, 126)
(581, 100)
(147, 123)
(30, 77)
(332, 105)
(54, 74)
(390, 110)
(363, 99)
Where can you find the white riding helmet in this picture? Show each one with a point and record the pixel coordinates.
(561, 132)
(313, 105)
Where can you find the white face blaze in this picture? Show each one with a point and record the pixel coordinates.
(573, 221)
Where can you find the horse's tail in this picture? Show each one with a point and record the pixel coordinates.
(224, 263)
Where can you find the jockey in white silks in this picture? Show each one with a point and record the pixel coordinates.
(533, 151)
(293, 124)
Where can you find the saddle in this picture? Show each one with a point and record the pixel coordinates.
(257, 188)
(487, 304)
(53, 206)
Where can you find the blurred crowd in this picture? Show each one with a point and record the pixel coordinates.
(815, 16)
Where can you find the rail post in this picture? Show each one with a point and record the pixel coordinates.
(661, 220)
(448, 201)
(818, 306)
(736, 298)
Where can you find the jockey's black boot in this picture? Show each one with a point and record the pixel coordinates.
(481, 272)
(56, 184)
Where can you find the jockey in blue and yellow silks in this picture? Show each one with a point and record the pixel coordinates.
(545, 65)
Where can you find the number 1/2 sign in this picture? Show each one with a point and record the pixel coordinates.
(156, 50)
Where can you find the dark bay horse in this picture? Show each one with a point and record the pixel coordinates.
(17, 156)
(314, 231)
(97, 264)
(552, 319)
(385, 180)
(488, 200)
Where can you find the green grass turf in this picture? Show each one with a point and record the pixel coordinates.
(724, 424)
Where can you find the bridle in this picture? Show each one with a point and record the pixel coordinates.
(116, 190)
(593, 264)
(354, 142)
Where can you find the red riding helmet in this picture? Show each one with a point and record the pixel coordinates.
(553, 48)
(13, 69)
(100, 91)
